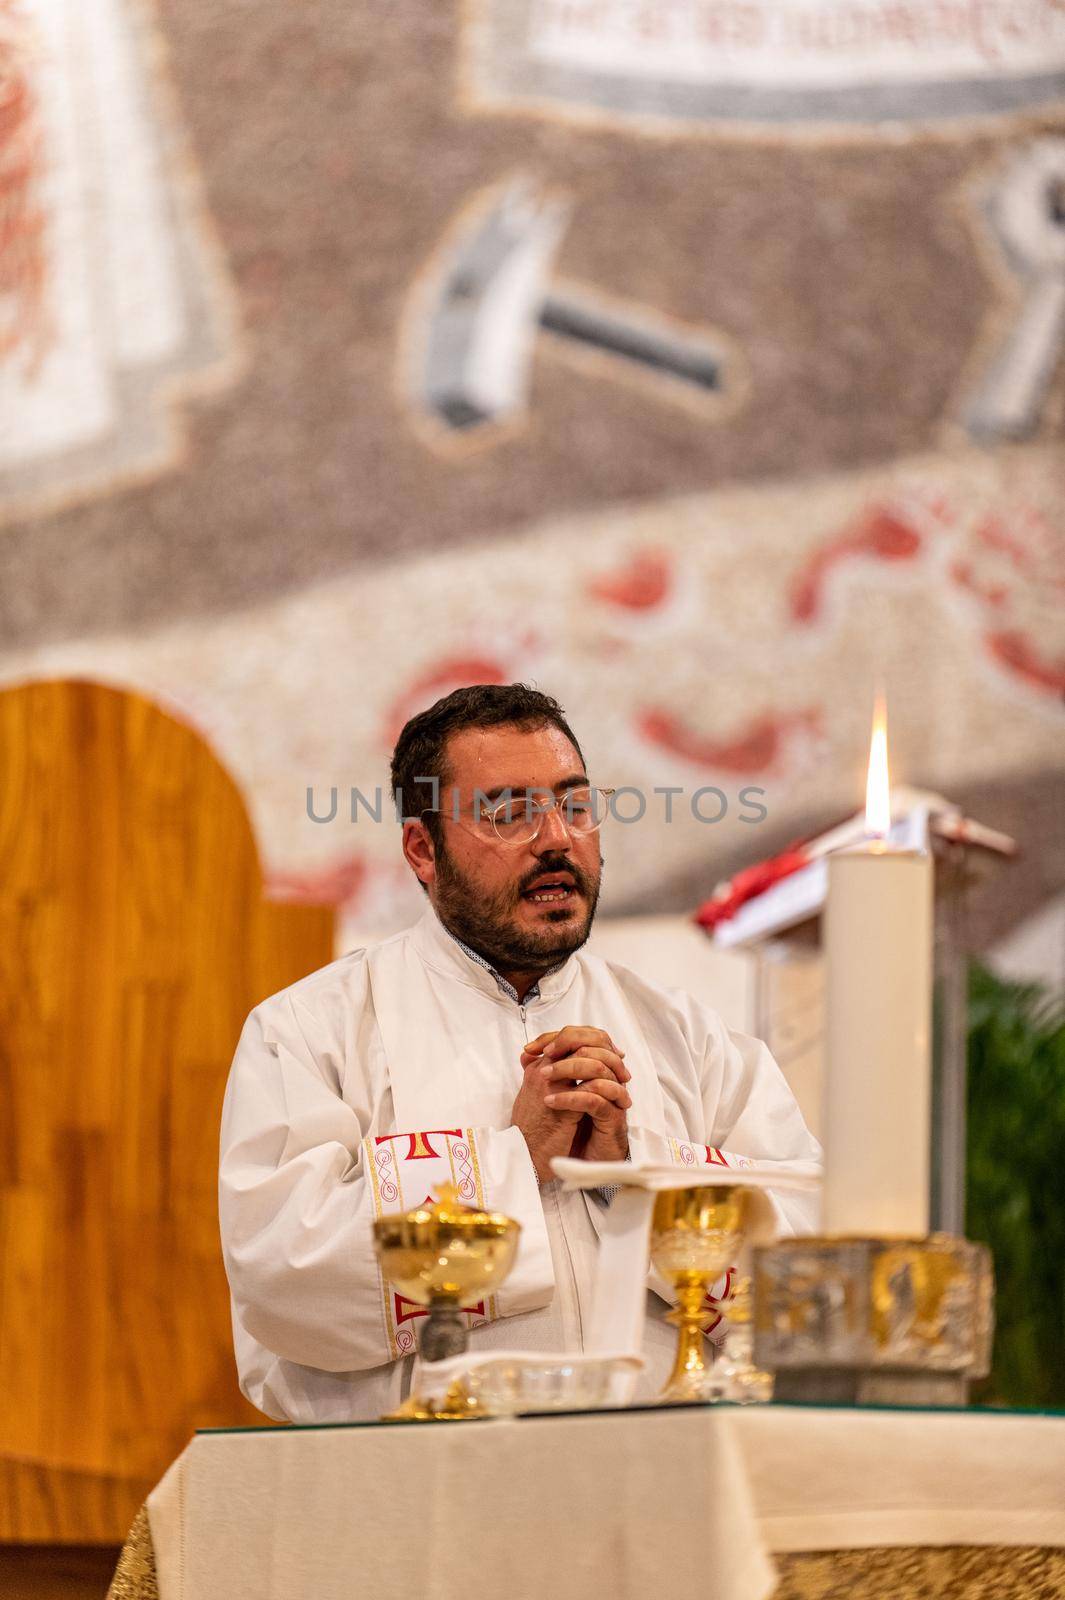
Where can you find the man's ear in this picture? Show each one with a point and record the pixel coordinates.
(419, 851)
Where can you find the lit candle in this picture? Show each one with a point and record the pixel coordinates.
(878, 1097)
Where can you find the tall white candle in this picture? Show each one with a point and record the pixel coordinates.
(878, 1083)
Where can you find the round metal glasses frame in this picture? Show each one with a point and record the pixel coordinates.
(532, 812)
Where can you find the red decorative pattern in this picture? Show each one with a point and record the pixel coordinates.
(418, 1146)
(465, 1174)
(24, 318)
(717, 1300)
(705, 1155)
(641, 585)
(453, 672)
(988, 593)
(406, 1310)
(1012, 570)
(1035, 553)
(1020, 655)
(756, 752)
(407, 1170)
(881, 534)
(384, 1166)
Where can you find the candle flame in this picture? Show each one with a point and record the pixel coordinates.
(878, 784)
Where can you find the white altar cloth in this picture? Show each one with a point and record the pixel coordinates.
(621, 1504)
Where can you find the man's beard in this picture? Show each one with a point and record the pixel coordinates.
(485, 922)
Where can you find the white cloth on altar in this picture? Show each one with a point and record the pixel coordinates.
(366, 1084)
(686, 1500)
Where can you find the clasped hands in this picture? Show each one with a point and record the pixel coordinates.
(573, 1100)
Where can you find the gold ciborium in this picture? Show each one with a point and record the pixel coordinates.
(696, 1235)
(444, 1256)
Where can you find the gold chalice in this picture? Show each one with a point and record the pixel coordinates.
(446, 1257)
(696, 1234)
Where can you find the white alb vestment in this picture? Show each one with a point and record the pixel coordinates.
(359, 1090)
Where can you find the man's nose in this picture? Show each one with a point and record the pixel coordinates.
(553, 834)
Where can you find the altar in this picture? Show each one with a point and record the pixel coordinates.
(740, 1503)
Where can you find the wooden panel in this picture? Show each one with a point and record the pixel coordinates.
(57, 1572)
(75, 1507)
(135, 942)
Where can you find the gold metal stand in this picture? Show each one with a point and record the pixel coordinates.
(696, 1233)
(690, 1377)
(456, 1406)
(444, 1256)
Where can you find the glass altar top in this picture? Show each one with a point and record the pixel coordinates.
(656, 1410)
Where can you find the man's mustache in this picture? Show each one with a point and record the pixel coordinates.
(560, 865)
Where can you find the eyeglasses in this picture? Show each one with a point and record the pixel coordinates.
(517, 819)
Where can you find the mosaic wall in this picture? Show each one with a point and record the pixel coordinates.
(698, 360)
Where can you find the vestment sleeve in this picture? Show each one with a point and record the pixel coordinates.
(750, 1115)
(752, 1111)
(301, 1182)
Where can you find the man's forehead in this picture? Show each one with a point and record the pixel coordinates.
(487, 758)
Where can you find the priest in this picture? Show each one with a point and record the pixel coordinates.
(471, 1049)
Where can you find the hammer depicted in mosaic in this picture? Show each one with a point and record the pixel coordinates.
(1024, 210)
(490, 295)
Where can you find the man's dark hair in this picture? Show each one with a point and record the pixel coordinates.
(421, 749)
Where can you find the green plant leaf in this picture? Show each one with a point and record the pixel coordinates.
(1015, 1187)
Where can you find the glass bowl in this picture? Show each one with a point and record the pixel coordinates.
(507, 1384)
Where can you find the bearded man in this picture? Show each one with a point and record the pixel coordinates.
(472, 1049)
